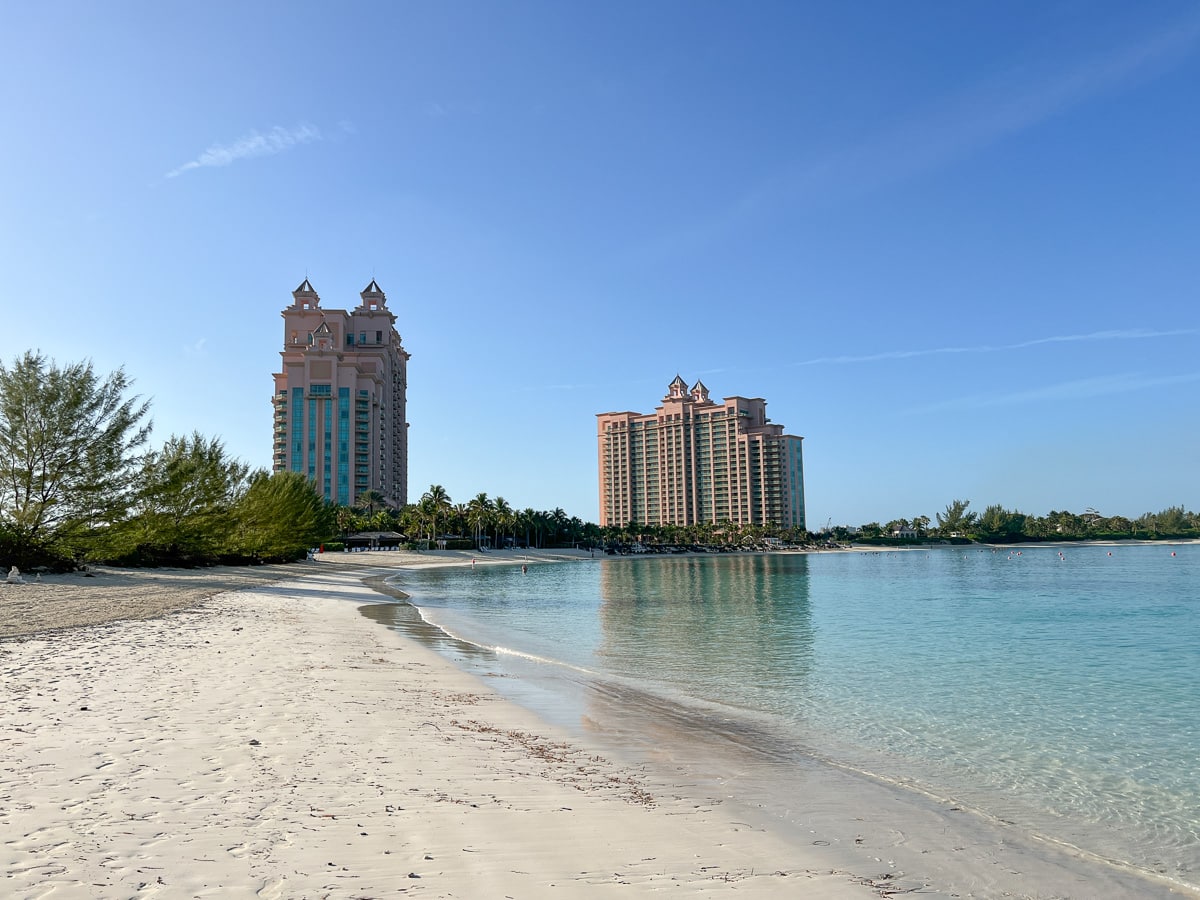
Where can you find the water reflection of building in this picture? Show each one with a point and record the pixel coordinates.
(694, 460)
(725, 620)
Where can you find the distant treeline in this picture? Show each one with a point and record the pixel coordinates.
(999, 525)
(79, 483)
(481, 521)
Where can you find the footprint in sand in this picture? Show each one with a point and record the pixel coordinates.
(272, 889)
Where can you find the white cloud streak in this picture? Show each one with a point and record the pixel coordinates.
(275, 141)
(1114, 335)
(1079, 389)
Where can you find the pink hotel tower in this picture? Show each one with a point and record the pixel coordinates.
(340, 399)
(693, 461)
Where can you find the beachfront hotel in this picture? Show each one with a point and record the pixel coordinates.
(694, 460)
(340, 399)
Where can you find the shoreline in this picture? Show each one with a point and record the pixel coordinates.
(93, 751)
(903, 819)
(273, 741)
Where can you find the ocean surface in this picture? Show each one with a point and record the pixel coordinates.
(1053, 688)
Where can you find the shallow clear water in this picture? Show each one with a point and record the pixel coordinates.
(1058, 692)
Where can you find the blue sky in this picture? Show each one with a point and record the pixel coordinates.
(956, 246)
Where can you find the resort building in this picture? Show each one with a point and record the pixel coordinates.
(694, 460)
(340, 399)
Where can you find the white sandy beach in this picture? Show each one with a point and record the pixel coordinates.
(271, 741)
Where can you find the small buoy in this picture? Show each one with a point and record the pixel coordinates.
(1110, 553)
(1172, 552)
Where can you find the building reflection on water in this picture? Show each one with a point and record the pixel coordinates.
(719, 627)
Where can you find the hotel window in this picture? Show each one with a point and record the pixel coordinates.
(362, 337)
(379, 337)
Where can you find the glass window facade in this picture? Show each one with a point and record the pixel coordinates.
(343, 456)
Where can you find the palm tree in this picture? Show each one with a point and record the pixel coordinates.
(345, 518)
(479, 514)
(370, 502)
(529, 520)
(545, 524)
(558, 521)
(410, 520)
(502, 518)
(435, 503)
(457, 523)
(574, 530)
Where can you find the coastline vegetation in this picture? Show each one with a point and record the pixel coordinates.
(79, 484)
(997, 525)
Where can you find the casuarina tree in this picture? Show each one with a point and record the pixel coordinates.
(68, 442)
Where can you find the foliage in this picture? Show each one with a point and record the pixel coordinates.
(956, 518)
(67, 452)
(184, 505)
(280, 518)
(999, 525)
(434, 505)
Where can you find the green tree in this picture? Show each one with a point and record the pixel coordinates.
(479, 514)
(370, 502)
(457, 522)
(280, 517)
(412, 521)
(531, 521)
(435, 506)
(67, 450)
(346, 520)
(1117, 525)
(504, 518)
(558, 521)
(186, 498)
(1065, 524)
(1173, 521)
(996, 522)
(956, 519)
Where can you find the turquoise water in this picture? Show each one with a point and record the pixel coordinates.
(1061, 693)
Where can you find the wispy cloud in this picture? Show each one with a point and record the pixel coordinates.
(1127, 334)
(277, 140)
(1132, 334)
(1079, 389)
